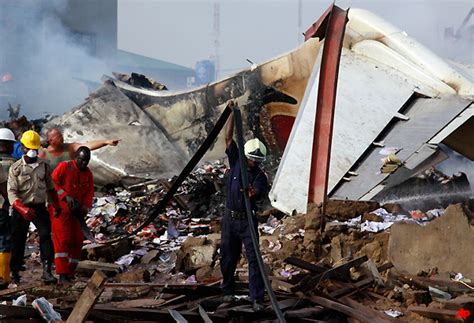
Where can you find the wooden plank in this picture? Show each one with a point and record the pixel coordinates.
(340, 272)
(458, 302)
(22, 312)
(347, 310)
(306, 312)
(172, 300)
(282, 285)
(379, 316)
(435, 313)
(384, 267)
(317, 269)
(351, 287)
(141, 302)
(89, 296)
(11, 291)
(90, 266)
(196, 289)
(424, 282)
(158, 315)
(372, 268)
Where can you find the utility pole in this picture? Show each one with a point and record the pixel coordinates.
(216, 32)
(300, 22)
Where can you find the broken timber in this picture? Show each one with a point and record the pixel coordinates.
(91, 266)
(11, 291)
(88, 298)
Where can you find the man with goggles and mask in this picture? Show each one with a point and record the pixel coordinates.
(29, 185)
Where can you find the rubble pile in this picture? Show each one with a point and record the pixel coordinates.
(360, 269)
(367, 263)
(118, 211)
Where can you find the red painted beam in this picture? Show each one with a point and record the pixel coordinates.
(322, 137)
(318, 29)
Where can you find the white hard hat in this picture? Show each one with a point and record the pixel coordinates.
(255, 150)
(7, 134)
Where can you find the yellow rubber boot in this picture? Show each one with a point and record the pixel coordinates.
(5, 266)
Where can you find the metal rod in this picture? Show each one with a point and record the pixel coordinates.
(161, 205)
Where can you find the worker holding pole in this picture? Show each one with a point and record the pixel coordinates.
(235, 228)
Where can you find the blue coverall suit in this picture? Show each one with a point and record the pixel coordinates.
(235, 227)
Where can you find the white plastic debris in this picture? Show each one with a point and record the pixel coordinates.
(393, 313)
(20, 301)
(125, 260)
(372, 226)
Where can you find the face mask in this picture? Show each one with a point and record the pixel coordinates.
(32, 153)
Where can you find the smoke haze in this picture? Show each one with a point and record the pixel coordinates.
(43, 58)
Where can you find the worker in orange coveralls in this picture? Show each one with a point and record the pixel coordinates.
(75, 186)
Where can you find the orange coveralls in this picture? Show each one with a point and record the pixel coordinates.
(67, 232)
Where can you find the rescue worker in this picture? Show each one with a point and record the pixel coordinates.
(235, 226)
(29, 185)
(7, 140)
(75, 186)
(59, 151)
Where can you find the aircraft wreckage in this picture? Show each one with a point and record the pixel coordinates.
(393, 95)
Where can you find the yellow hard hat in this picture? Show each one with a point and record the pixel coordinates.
(31, 139)
(255, 150)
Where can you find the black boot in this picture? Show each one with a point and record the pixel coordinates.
(16, 277)
(47, 276)
(63, 279)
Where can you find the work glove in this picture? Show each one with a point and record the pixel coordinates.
(72, 203)
(27, 213)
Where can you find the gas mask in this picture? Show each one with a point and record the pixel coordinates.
(32, 153)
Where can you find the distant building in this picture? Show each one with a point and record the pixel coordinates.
(205, 72)
(175, 77)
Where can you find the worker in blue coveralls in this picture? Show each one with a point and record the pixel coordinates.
(234, 224)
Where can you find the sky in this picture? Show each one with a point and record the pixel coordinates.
(35, 41)
(182, 31)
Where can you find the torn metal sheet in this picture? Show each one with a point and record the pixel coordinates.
(161, 130)
(427, 118)
(358, 106)
(268, 95)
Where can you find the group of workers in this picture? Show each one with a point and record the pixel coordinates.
(50, 187)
